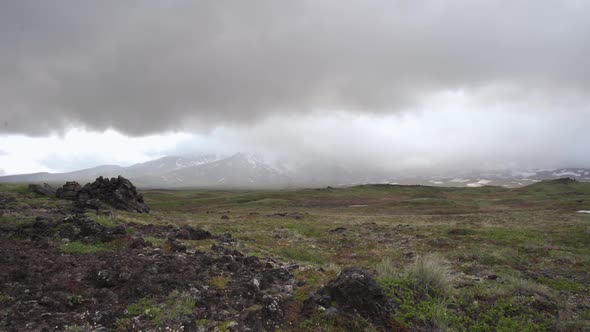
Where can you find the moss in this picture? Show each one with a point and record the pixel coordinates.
(176, 305)
(512, 236)
(156, 241)
(77, 247)
(225, 326)
(333, 323)
(5, 298)
(562, 284)
(15, 220)
(302, 254)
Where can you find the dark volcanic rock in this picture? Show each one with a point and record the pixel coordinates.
(353, 293)
(44, 189)
(191, 233)
(68, 190)
(175, 245)
(75, 227)
(118, 192)
(139, 243)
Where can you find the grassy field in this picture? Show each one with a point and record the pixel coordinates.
(469, 259)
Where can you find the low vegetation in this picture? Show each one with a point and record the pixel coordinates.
(451, 259)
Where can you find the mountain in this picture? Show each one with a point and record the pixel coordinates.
(240, 170)
(84, 175)
(247, 171)
(169, 164)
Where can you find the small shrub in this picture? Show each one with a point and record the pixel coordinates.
(74, 300)
(219, 282)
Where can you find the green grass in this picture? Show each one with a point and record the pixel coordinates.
(77, 247)
(512, 236)
(563, 284)
(302, 254)
(219, 282)
(156, 241)
(15, 219)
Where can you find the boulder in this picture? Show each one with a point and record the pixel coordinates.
(44, 189)
(353, 293)
(139, 243)
(118, 192)
(191, 233)
(68, 190)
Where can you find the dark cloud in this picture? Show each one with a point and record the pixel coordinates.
(151, 66)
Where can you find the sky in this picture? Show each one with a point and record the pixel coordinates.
(465, 84)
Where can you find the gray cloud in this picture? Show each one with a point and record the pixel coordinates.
(150, 66)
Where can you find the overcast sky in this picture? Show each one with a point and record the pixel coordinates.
(399, 84)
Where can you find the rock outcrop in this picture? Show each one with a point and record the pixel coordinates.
(42, 189)
(353, 293)
(68, 190)
(118, 192)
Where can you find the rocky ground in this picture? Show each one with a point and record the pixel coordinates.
(62, 270)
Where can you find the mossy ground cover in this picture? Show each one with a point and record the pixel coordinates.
(507, 248)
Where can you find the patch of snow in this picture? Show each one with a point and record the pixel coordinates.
(221, 180)
(460, 180)
(566, 173)
(479, 183)
(524, 174)
(436, 182)
(584, 211)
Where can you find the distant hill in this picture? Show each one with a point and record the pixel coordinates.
(247, 171)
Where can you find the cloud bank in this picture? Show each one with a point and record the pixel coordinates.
(144, 67)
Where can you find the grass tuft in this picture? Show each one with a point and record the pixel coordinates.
(431, 271)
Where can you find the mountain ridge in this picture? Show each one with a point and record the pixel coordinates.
(242, 170)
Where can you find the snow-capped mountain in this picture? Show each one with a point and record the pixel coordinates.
(240, 170)
(169, 164)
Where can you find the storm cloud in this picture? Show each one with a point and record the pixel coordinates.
(143, 67)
